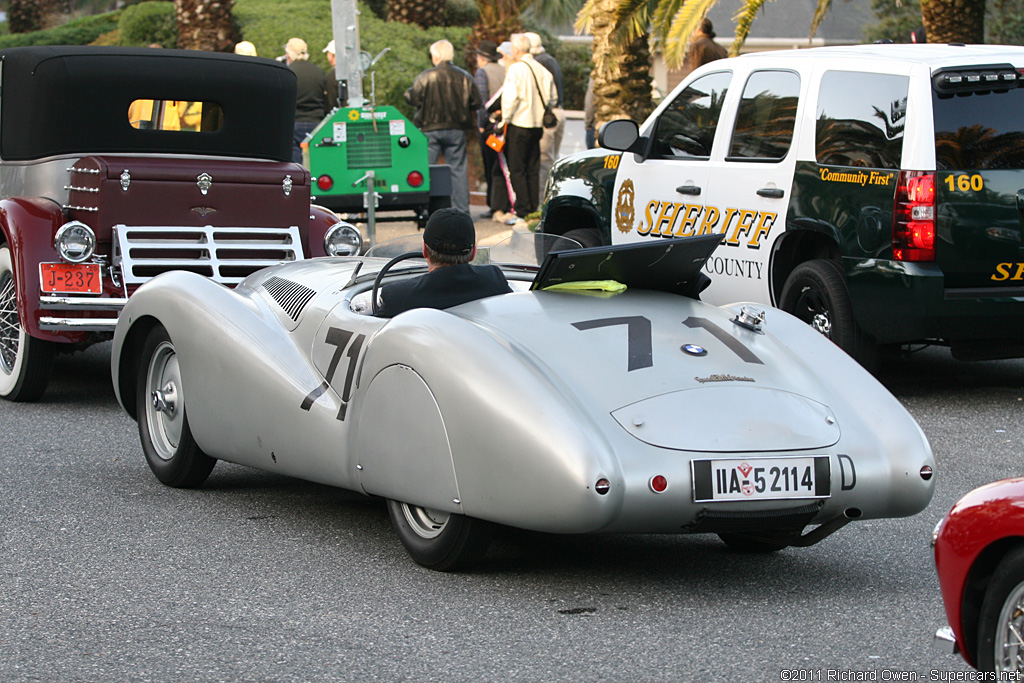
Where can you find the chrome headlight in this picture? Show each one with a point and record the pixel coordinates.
(343, 239)
(75, 242)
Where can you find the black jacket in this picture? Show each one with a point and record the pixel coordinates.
(445, 97)
(442, 288)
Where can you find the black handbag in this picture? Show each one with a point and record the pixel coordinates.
(549, 120)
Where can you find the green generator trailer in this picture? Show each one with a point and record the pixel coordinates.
(356, 145)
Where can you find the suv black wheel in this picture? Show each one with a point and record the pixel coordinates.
(816, 293)
(24, 361)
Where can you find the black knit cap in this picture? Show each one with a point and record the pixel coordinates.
(451, 232)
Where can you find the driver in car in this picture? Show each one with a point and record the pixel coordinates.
(449, 244)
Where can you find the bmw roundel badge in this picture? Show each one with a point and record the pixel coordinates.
(694, 350)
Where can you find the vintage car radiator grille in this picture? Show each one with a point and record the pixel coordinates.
(368, 148)
(227, 255)
(291, 296)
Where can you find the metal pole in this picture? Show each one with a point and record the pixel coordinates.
(345, 26)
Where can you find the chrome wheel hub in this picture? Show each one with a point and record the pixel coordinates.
(424, 522)
(821, 323)
(164, 416)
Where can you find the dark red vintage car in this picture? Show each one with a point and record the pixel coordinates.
(979, 554)
(117, 164)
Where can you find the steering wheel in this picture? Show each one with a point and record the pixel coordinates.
(380, 276)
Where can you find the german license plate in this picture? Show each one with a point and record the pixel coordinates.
(761, 478)
(70, 278)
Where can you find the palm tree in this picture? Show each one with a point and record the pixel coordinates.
(423, 13)
(622, 64)
(205, 25)
(954, 21)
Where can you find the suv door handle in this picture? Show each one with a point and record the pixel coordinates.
(688, 189)
(771, 193)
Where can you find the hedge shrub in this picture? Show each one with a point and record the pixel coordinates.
(148, 22)
(79, 32)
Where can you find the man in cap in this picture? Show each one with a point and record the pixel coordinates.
(449, 244)
(310, 93)
(333, 94)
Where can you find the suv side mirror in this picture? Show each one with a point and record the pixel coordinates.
(621, 135)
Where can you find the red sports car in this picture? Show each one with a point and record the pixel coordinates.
(979, 555)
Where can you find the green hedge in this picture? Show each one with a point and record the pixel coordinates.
(78, 32)
(147, 23)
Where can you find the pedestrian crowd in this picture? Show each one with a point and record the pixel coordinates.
(514, 100)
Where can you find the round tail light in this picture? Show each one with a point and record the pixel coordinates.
(658, 483)
(325, 182)
(415, 179)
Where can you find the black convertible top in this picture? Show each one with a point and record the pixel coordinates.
(75, 99)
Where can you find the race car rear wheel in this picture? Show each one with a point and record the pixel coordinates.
(167, 441)
(24, 361)
(1001, 625)
(816, 293)
(440, 540)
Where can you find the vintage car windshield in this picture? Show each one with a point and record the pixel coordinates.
(518, 249)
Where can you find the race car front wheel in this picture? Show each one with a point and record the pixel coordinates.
(171, 451)
(1001, 625)
(24, 361)
(440, 540)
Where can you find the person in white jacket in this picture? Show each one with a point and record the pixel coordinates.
(528, 87)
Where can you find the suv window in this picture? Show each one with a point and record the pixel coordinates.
(860, 119)
(980, 130)
(687, 126)
(765, 117)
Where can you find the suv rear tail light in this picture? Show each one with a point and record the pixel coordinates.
(913, 221)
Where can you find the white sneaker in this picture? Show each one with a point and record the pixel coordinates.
(501, 216)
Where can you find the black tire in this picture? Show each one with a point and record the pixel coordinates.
(587, 237)
(743, 544)
(439, 540)
(816, 293)
(170, 449)
(1003, 605)
(25, 361)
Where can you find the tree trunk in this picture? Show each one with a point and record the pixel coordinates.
(205, 25)
(423, 13)
(954, 21)
(622, 78)
(24, 16)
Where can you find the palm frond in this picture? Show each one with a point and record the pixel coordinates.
(633, 17)
(663, 14)
(744, 18)
(585, 17)
(684, 23)
(819, 16)
(555, 11)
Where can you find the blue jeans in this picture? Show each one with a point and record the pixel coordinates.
(302, 129)
(451, 143)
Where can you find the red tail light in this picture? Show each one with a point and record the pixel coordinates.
(325, 182)
(913, 220)
(415, 179)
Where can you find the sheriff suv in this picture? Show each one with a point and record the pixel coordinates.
(876, 192)
(118, 164)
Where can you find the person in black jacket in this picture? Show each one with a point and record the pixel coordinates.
(446, 100)
(449, 244)
(310, 93)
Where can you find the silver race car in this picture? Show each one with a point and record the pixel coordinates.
(600, 396)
